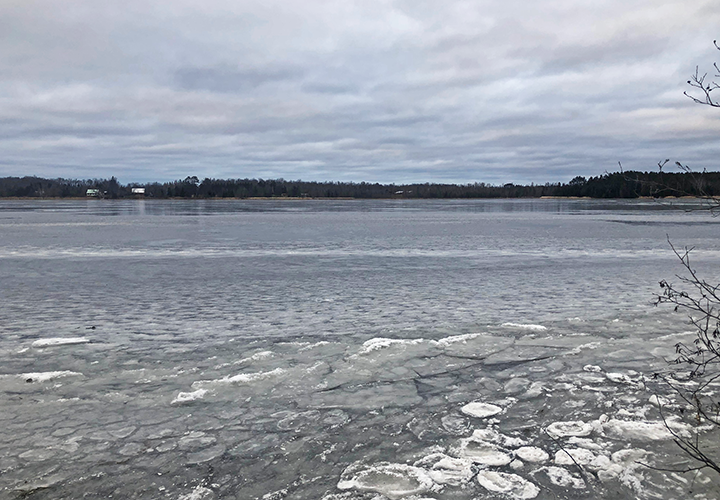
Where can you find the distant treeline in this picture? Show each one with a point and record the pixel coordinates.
(615, 185)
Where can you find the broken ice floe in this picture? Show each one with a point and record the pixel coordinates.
(242, 378)
(60, 341)
(47, 376)
(382, 343)
(186, 397)
(621, 378)
(392, 480)
(199, 493)
(523, 326)
(566, 429)
(580, 456)
(444, 469)
(644, 430)
(562, 477)
(491, 435)
(532, 454)
(482, 452)
(480, 410)
(255, 357)
(511, 485)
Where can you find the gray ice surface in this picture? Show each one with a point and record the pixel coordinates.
(340, 350)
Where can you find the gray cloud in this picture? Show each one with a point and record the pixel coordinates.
(395, 91)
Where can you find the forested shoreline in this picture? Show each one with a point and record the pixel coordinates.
(610, 185)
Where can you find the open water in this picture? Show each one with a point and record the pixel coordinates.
(348, 350)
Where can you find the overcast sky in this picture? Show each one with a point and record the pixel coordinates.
(388, 91)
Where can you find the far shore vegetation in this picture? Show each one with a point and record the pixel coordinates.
(629, 184)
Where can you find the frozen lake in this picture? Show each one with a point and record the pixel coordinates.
(348, 350)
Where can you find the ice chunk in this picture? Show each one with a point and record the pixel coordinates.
(523, 326)
(535, 390)
(47, 376)
(444, 469)
(392, 480)
(185, 397)
(570, 456)
(242, 378)
(382, 343)
(38, 454)
(588, 444)
(131, 449)
(492, 436)
(455, 339)
(532, 454)
(621, 378)
(629, 456)
(199, 493)
(60, 341)
(482, 452)
(643, 430)
(516, 385)
(511, 485)
(194, 440)
(480, 410)
(455, 424)
(561, 477)
(255, 357)
(205, 455)
(659, 401)
(298, 420)
(572, 428)
(623, 468)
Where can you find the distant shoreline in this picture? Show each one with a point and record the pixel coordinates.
(617, 185)
(344, 198)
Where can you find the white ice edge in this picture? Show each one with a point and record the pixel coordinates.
(46, 376)
(241, 378)
(524, 326)
(186, 397)
(60, 341)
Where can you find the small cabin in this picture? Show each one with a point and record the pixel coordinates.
(138, 191)
(93, 193)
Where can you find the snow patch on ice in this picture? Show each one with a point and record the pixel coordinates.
(511, 485)
(480, 410)
(623, 468)
(313, 346)
(490, 435)
(60, 341)
(482, 452)
(659, 401)
(561, 477)
(242, 378)
(585, 443)
(621, 378)
(524, 326)
(255, 357)
(532, 454)
(643, 430)
(444, 469)
(185, 397)
(47, 376)
(383, 343)
(572, 428)
(199, 493)
(455, 339)
(570, 456)
(392, 480)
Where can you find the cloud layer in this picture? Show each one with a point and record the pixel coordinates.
(373, 90)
